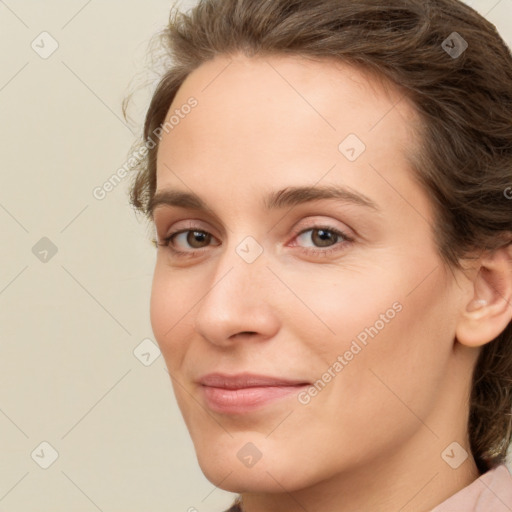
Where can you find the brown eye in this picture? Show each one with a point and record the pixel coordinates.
(195, 239)
(322, 237)
(322, 241)
(188, 242)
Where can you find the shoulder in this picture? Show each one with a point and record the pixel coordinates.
(491, 492)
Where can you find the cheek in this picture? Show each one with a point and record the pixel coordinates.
(170, 307)
(340, 306)
(395, 377)
(388, 324)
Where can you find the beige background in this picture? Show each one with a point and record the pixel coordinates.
(69, 325)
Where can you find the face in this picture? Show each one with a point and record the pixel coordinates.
(299, 328)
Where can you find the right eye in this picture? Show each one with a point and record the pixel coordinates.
(197, 239)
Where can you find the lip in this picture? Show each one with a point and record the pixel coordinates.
(245, 392)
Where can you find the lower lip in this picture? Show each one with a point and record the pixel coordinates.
(237, 401)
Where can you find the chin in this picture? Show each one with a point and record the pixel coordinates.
(223, 465)
(236, 465)
(242, 480)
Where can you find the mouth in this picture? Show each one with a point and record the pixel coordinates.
(245, 392)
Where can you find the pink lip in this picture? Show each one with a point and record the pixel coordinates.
(236, 394)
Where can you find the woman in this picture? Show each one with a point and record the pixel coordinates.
(330, 186)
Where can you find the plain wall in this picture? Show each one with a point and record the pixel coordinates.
(70, 321)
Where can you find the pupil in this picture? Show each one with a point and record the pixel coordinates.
(197, 237)
(325, 236)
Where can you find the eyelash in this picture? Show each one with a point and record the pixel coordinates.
(316, 252)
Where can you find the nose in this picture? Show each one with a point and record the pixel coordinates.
(238, 302)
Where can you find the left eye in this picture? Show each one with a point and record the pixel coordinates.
(322, 237)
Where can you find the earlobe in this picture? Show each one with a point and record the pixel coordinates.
(487, 314)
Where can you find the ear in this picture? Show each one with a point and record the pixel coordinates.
(489, 310)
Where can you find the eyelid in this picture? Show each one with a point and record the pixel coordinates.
(184, 225)
(308, 223)
(316, 223)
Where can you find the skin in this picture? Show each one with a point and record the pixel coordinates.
(372, 439)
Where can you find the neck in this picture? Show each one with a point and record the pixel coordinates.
(414, 485)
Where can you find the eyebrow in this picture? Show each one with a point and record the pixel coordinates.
(284, 198)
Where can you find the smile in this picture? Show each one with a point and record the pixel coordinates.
(238, 394)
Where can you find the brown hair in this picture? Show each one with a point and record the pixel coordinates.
(464, 102)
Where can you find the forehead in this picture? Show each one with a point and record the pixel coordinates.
(263, 120)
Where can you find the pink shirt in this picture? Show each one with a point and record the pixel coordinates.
(491, 492)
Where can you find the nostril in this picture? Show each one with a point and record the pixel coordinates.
(245, 332)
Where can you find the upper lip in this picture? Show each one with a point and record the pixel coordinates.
(245, 380)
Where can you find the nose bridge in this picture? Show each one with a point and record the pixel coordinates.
(243, 264)
(237, 299)
(239, 275)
